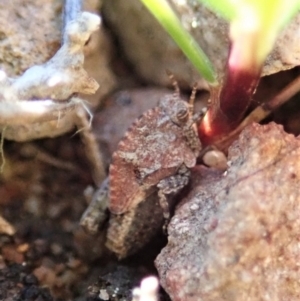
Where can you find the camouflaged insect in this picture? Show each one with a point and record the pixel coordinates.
(157, 152)
(152, 160)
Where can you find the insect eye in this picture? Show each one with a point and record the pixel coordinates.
(182, 115)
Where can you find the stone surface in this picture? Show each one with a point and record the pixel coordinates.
(45, 92)
(33, 35)
(98, 58)
(30, 38)
(30, 34)
(235, 237)
(155, 52)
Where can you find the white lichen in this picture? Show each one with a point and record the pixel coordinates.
(43, 90)
(147, 291)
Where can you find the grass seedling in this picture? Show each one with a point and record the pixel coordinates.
(254, 26)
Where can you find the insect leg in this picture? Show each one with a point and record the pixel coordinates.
(172, 184)
(91, 146)
(95, 215)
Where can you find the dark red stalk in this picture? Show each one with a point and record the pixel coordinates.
(230, 102)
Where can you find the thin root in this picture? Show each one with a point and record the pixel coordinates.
(84, 124)
(2, 150)
(91, 146)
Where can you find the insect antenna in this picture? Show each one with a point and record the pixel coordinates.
(192, 98)
(174, 83)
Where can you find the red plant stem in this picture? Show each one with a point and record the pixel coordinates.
(230, 104)
(260, 113)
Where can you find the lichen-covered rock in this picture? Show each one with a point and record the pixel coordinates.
(98, 58)
(154, 51)
(68, 72)
(32, 103)
(30, 34)
(128, 233)
(235, 237)
(33, 35)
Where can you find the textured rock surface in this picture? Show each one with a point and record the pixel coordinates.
(235, 237)
(45, 92)
(33, 34)
(98, 57)
(155, 52)
(30, 38)
(30, 34)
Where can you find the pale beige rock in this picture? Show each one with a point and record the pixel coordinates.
(6, 227)
(42, 101)
(147, 46)
(44, 93)
(155, 52)
(31, 34)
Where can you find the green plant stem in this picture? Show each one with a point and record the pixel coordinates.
(167, 18)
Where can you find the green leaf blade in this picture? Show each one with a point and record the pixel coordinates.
(167, 18)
